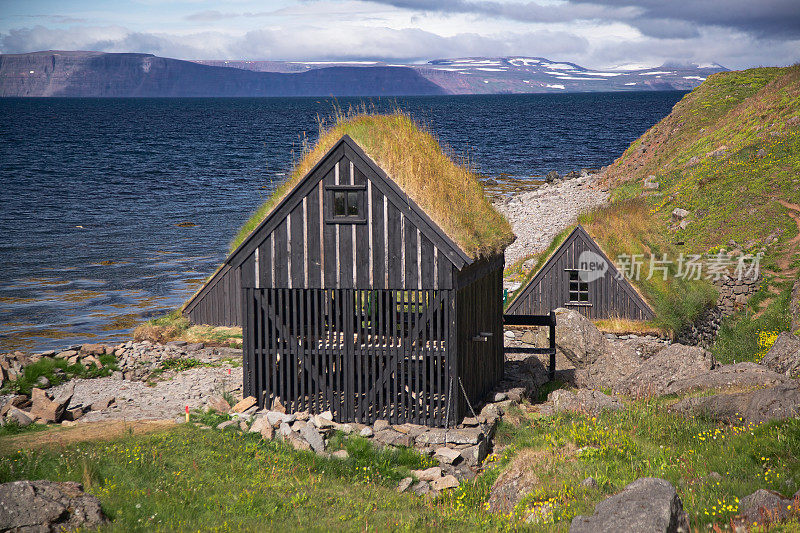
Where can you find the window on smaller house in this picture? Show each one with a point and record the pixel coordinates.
(578, 289)
(347, 204)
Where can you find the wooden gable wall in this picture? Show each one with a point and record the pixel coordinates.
(609, 296)
(393, 247)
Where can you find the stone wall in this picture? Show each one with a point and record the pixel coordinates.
(733, 295)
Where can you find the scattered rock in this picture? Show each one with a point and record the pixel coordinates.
(745, 374)
(589, 483)
(446, 482)
(421, 488)
(429, 474)
(278, 406)
(773, 403)
(322, 423)
(679, 214)
(342, 455)
(17, 400)
(404, 484)
(259, 424)
(93, 349)
(515, 482)
(499, 397)
(551, 176)
(784, 356)
(43, 382)
(582, 401)
(447, 455)
(297, 442)
(380, 425)
(577, 338)
(226, 424)
(22, 418)
(267, 432)
(218, 404)
(474, 455)
(470, 421)
(766, 506)
(648, 505)
(49, 410)
(102, 403)
(674, 363)
(244, 404)
(313, 438)
(366, 432)
(275, 418)
(48, 506)
(387, 436)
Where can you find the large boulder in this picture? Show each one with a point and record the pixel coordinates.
(577, 338)
(516, 481)
(727, 376)
(47, 506)
(613, 366)
(766, 506)
(675, 363)
(648, 505)
(757, 406)
(51, 410)
(784, 356)
(582, 401)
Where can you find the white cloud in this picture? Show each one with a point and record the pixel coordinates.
(589, 34)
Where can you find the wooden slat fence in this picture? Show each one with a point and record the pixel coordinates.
(362, 354)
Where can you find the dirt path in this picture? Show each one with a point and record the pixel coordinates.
(59, 436)
(784, 263)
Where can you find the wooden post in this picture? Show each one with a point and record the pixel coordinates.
(552, 372)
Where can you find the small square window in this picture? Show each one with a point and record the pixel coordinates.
(346, 204)
(578, 289)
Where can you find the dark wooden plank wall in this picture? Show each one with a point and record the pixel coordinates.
(386, 252)
(222, 304)
(608, 296)
(295, 246)
(479, 325)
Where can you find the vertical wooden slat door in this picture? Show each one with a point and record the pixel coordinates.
(363, 354)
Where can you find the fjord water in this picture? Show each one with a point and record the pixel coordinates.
(115, 210)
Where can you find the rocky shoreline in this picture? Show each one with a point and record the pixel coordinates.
(538, 216)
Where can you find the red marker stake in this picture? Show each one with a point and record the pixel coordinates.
(187, 413)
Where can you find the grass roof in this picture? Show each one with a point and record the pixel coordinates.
(446, 189)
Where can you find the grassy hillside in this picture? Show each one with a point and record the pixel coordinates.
(729, 154)
(447, 190)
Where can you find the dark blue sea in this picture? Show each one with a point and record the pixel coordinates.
(93, 192)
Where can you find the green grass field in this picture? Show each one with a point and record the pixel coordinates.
(194, 479)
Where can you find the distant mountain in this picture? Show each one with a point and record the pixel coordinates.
(484, 75)
(98, 74)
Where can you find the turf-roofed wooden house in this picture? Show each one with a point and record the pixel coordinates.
(352, 297)
(580, 276)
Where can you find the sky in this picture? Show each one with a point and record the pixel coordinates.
(593, 33)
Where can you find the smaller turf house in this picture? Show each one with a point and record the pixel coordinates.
(372, 286)
(580, 276)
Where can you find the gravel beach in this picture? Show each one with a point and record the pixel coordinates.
(538, 216)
